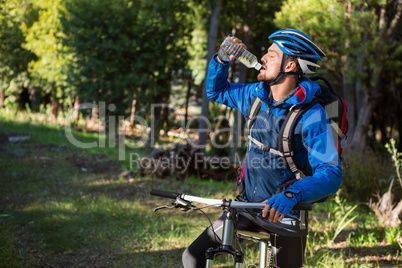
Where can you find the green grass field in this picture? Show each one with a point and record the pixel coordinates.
(62, 206)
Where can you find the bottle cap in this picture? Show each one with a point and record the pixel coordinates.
(258, 66)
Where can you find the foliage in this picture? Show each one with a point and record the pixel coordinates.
(44, 39)
(396, 158)
(341, 219)
(120, 48)
(14, 58)
(197, 46)
(364, 174)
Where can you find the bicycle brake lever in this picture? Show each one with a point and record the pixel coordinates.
(178, 203)
(162, 207)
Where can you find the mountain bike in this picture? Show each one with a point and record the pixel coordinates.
(259, 229)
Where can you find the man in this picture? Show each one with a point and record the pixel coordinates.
(281, 87)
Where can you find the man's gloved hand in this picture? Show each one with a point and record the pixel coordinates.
(280, 205)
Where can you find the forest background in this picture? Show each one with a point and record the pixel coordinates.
(106, 66)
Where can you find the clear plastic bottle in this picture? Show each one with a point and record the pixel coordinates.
(241, 54)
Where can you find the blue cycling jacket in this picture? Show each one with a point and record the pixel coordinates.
(313, 144)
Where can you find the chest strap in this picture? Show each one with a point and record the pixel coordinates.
(263, 147)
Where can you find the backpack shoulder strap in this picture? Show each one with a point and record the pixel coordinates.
(286, 135)
(252, 115)
(254, 109)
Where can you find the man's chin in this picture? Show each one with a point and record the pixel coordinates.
(262, 78)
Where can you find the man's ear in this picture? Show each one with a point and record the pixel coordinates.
(290, 66)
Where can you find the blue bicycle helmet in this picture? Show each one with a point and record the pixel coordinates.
(297, 44)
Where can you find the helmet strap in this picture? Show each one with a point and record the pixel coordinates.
(281, 72)
(279, 75)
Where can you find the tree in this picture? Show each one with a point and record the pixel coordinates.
(165, 38)
(44, 39)
(120, 50)
(359, 37)
(100, 38)
(14, 58)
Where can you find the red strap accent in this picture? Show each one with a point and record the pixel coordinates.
(343, 126)
(242, 172)
(301, 94)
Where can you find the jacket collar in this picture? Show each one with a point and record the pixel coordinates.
(302, 94)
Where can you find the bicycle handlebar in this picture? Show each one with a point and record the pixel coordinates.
(221, 202)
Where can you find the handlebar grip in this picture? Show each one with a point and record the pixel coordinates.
(303, 206)
(163, 193)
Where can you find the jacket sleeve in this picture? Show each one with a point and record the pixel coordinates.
(220, 90)
(322, 156)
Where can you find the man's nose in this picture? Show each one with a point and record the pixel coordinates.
(263, 59)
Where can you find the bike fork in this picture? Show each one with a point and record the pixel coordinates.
(227, 246)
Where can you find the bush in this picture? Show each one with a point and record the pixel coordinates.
(366, 174)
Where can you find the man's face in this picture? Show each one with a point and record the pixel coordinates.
(271, 64)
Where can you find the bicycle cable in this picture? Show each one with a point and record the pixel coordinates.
(216, 237)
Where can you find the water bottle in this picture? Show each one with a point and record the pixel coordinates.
(241, 54)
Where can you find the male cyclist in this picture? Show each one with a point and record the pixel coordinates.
(281, 87)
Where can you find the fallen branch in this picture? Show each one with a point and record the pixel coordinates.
(385, 210)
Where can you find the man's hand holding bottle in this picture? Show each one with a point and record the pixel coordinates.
(223, 57)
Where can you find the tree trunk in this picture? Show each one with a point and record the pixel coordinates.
(367, 101)
(221, 123)
(165, 117)
(212, 36)
(360, 133)
(54, 110)
(2, 98)
(46, 100)
(24, 99)
(348, 90)
(134, 102)
(76, 109)
(399, 128)
(159, 112)
(358, 95)
(94, 115)
(187, 100)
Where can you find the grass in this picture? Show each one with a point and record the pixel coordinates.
(65, 206)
